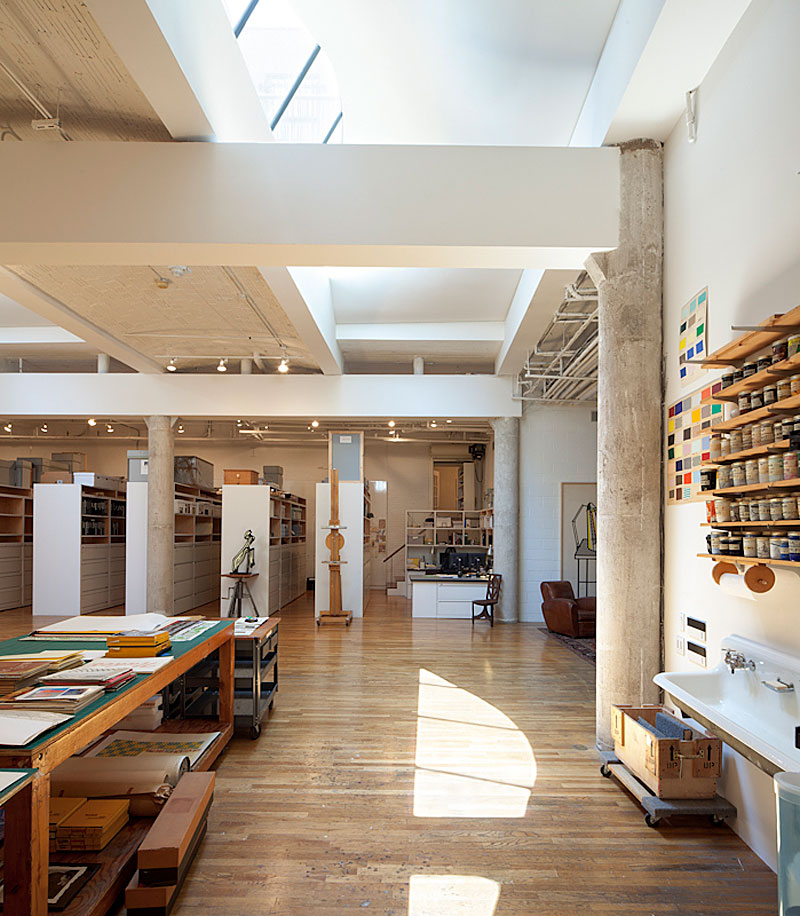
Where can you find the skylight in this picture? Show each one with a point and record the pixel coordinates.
(293, 76)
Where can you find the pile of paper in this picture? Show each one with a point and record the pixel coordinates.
(53, 699)
(60, 810)
(138, 644)
(95, 673)
(145, 718)
(18, 727)
(16, 675)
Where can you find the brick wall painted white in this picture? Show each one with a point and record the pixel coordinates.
(557, 445)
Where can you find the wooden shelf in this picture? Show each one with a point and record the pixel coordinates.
(773, 447)
(790, 366)
(790, 523)
(786, 405)
(770, 330)
(756, 487)
(749, 561)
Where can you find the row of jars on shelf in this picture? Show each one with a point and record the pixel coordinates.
(769, 394)
(753, 435)
(755, 546)
(780, 351)
(784, 508)
(766, 469)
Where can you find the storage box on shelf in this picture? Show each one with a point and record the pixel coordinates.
(278, 522)
(16, 546)
(754, 452)
(79, 548)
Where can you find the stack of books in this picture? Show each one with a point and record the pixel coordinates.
(93, 825)
(145, 718)
(69, 700)
(138, 644)
(18, 674)
(60, 810)
(107, 677)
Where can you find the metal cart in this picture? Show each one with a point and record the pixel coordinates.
(255, 676)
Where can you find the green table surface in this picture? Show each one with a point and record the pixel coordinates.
(21, 646)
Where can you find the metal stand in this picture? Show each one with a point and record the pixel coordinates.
(241, 590)
(586, 559)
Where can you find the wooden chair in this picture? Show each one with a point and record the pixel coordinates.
(487, 604)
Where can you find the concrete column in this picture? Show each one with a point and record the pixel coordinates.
(160, 515)
(629, 476)
(506, 515)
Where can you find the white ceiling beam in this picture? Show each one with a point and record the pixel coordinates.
(683, 45)
(311, 396)
(304, 293)
(423, 331)
(41, 334)
(185, 58)
(40, 302)
(537, 295)
(306, 204)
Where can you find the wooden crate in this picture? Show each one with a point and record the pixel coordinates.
(669, 767)
(240, 476)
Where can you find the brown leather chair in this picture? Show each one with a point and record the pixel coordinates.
(566, 614)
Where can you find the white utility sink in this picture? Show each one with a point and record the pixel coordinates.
(757, 719)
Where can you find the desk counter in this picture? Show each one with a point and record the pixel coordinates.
(445, 596)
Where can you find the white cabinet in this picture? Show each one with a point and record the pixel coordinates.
(434, 597)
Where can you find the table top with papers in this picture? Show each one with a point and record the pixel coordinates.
(21, 645)
(11, 781)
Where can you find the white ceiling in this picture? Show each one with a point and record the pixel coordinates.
(511, 72)
(13, 315)
(402, 294)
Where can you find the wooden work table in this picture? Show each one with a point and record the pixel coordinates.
(27, 812)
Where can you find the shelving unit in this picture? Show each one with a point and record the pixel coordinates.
(367, 562)
(16, 547)
(429, 532)
(278, 522)
(196, 558)
(466, 487)
(78, 548)
(746, 347)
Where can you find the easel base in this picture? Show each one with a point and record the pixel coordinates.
(344, 617)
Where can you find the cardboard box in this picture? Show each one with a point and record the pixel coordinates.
(273, 474)
(194, 472)
(98, 481)
(56, 477)
(240, 476)
(74, 461)
(679, 767)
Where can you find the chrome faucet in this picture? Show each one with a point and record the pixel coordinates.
(734, 659)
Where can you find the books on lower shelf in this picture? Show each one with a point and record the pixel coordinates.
(20, 726)
(92, 825)
(60, 810)
(127, 744)
(53, 699)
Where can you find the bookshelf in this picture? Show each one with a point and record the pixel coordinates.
(278, 521)
(430, 531)
(79, 535)
(16, 546)
(196, 556)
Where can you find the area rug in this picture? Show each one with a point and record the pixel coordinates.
(586, 647)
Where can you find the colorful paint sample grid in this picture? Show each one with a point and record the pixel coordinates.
(688, 437)
(692, 338)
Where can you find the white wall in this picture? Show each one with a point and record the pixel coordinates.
(732, 223)
(557, 445)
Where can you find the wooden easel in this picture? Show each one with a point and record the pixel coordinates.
(334, 542)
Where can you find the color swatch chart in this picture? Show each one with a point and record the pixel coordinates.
(688, 437)
(692, 339)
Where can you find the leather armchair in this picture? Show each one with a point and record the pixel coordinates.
(566, 614)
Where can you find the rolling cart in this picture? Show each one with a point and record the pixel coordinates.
(255, 676)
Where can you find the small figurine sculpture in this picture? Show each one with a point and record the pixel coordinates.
(246, 554)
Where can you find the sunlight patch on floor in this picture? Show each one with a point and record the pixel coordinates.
(452, 895)
(471, 759)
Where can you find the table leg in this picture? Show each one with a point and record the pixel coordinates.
(226, 652)
(26, 850)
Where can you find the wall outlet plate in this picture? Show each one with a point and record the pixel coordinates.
(680, 645)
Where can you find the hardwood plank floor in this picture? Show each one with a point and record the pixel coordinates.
(327, 813)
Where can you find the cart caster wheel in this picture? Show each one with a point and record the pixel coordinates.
(652, 821)
(605, 771)
(255, 731)
(271, 705)
(716, 820)
(317, 621)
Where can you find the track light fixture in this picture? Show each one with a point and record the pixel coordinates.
(171, 367)
(180, 428)
(91, 421)
(7, 427)
(315, 423)
(44, 427)
(109, 428)
(222, 367)
(283, 366)
(391, 424)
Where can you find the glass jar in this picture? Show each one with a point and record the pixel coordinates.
(738, 478)
(738, 375)
(755, 435)
(794, 381)
(725, 447)
(764, 510)
(749, 544)
(716, 447)
(735, 545)
(767, 432)
(763, 362)
(763, 469)
(744, 401)
(769, 394)
(790, 465)
(736, 441)
(784, 548)
(723, 476)
(775, 548)
(784, 389)
(747, 437)
(793, 345)
(755, 515)
(762, 547)
(775, 467)
(776, 509)
(789, 507)
(722, 509)
(780, 351)
(749, 369)
(727, 379)
(794, 546)
(756, 399)
(751, 471)
(711, 514)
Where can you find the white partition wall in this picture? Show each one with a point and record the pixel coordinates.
(246, 507)
(136, 549)
(57, 549)
(351, 515)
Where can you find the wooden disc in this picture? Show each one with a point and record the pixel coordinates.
(759, 579)
(334, 538)
(720, 569)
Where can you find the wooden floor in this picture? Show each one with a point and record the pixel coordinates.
(328, 813)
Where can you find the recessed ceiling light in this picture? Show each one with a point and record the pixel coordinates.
(109, 428)
(171, 367)
(283, 366)
(180, 428)
(44, 427)
(91, 421)
(433, 422)
(7, 427)
(391, 424)
(315, 423)
(448, 421)
(238, 422)
(222, 367)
